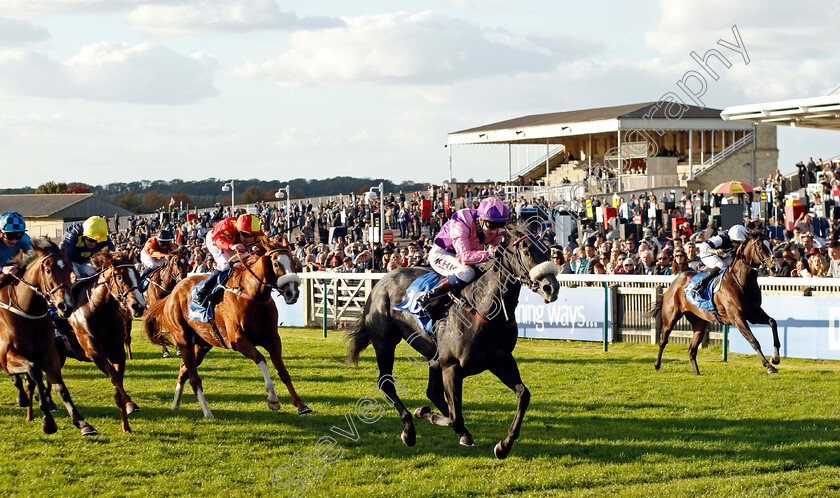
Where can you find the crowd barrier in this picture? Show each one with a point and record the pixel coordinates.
(607, 308)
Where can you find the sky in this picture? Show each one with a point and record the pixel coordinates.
(103, 91)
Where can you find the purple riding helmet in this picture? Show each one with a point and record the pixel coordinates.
(493, 209)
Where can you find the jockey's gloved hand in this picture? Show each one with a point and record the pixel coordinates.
(497, 252)
(238, 247)
(9, 269)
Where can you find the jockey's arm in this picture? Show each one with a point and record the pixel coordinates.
(465, 254)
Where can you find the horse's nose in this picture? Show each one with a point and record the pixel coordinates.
(137, 308)
(62, 307)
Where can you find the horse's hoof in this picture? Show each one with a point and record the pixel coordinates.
(48, 425)
(167, 354)
(467, 440)
(500, 452)
(422, 412)
(772, 370)
(52, 406)
(273, 405)
(303, 410)
(178, 352)
(88, 430)
(408, 439)
(775, 360)
(131, 408)
(23, 401)
(656, 366)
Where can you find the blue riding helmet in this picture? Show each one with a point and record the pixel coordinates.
(11, 222)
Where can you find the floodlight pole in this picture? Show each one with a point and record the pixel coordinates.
(225, 188)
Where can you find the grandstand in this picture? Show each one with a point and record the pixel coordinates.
(656, 145)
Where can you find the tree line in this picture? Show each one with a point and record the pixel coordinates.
(147, 195)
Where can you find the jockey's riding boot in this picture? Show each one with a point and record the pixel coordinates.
(5, 279)
(144, 279)
(705, 280)
(209, 285)
(442, 289)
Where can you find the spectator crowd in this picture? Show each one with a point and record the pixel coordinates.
(334, 235)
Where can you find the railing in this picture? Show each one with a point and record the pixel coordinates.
(725, 153)
(345, 295)
(552, 153)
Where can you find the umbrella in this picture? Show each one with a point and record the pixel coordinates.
(732, 188)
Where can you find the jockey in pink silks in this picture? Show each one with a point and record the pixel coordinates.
(460, 244)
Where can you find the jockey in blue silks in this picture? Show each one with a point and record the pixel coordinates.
(15, 240)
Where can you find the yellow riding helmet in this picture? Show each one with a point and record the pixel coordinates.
(249, 224)
(95, 228)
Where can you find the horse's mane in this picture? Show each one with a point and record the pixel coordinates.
(38, 244)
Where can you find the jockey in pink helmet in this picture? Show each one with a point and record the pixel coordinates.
(460, 244)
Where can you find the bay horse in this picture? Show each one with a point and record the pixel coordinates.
(161, 282)
(738, 301)
(246, 318)
(97, 325)
(27, 333)
(476, 334)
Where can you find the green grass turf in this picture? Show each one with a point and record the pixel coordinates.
(599, 424)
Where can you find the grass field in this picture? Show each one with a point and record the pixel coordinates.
(599, 424)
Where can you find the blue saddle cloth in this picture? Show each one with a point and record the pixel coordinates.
(703, 299)
(205, 313)
(421, 284)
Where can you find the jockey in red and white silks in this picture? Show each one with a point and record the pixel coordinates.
(460, 244)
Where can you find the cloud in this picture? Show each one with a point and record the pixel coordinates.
(25, 8)
(406, 47)
(145, 73)
(16, 32)
(224, 16)
(792, 48)
(775, 29)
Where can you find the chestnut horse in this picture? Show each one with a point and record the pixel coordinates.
(161, 283)
(27, 333)
(98, 330)
(245, 318)
(738, 301)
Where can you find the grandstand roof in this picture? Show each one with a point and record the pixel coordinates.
(63, 206)
(539, 128)
(814, 112)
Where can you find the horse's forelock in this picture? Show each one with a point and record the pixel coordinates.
(121, 258)
(101, 259)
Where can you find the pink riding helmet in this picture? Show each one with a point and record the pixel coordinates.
(493, 209)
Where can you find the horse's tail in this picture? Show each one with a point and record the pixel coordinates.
(358, 338)
(656, 308)
(152, 326)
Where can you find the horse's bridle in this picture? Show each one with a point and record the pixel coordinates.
(268, 285)
(765, 261)
(45, 295)
(525, 280)
(119, 296)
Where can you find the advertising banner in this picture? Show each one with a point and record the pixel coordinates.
(809, 327)
(577, 315)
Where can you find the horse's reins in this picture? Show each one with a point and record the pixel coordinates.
(16, 308)
(525, 280)
(166, 271)
(268, 285)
